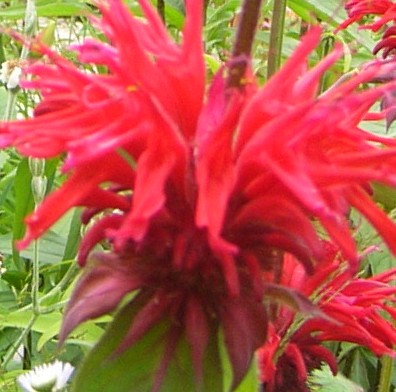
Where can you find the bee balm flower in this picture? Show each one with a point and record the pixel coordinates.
(201, 190)
(356, 307)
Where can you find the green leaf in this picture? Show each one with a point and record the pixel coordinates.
(56, 245)
(46, 8)
(73, 237)
(174, 17)
(136, 367)
(3, 101)
(360, 367)
(52, 331)
(385, 195)
(14, 278)
(322, 380)
(19, 319)
(87, 334)
(24, 202)
(331, 12)
(251, 381)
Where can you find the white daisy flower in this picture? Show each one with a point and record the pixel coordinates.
(46, 378)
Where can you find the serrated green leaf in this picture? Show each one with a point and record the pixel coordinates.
(323, 380)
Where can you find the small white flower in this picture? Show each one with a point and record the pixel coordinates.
(14, 78)
(46, 378)
(10, 73)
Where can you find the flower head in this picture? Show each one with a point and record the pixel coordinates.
(46, 378)
(385, 12)
(358, 9)
(295, 346)
(199, 193)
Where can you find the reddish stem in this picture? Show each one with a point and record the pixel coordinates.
(244, 41)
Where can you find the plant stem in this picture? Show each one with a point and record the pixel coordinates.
(35, 279)
(206, 4)
(10, 105)
(10, 353)
(243, 42)
(56, 290)
(385, 381)
(276, 36)
(161, 9)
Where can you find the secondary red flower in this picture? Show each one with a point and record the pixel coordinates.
(385, 11)
(199, 192)
(358, 9)
(294, 348)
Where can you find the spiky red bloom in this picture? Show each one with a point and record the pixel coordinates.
(358, 306)
(358, 9)
(385, 9)
(207, 190)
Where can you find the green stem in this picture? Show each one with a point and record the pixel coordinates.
(56, 290)
(243, 42)
(2, 54)
(206, 5)
(54, 307)
(276, 36)
(30, 25)
(10, 105)
(385, 382)
(36, 279)
(11, 352)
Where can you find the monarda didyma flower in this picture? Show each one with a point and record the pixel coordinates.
(356, 306)
(358, 9)
(197, 194)
(385, 12)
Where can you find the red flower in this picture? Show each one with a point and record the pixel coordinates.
(358, 9)
(199, 193)
(294, 347)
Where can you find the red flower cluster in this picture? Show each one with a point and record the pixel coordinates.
(356, 309)
(358, 9)
(386, 9)
(197, 194)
